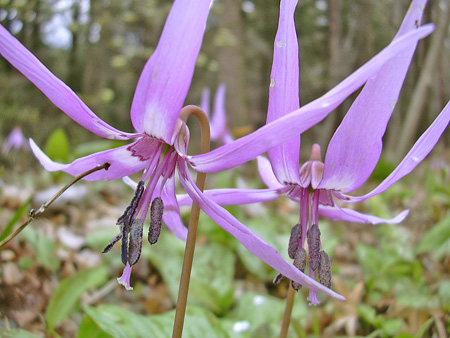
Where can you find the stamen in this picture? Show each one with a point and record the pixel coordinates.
(135, 246)
(299, 263)
(278, 278)
(156, 213)
(128, 215)
(314, 246)
(295, 240)
(124, 245)
(324, 269)
(112, 242)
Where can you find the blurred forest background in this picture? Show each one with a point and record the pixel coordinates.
(54, 281)
(100, 47)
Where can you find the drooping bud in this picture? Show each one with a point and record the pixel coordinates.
(295, 240)
(156, 213)
(135, 246)
(299, 263)
(112, 242)
(324, 269)
(314, 246)
(278, 278)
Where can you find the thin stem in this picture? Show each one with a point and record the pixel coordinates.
(193, 224)
(35, 213)
(287, 311)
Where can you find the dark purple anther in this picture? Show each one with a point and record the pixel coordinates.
(299, 263)
(156, 213)
(314, 246)
(128, 215)
(112, 242)
(135, 246)
(278, 279)
(294, 240)
(324, 269)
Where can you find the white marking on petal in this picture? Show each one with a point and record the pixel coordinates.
(279, 43)
(392, 105)
(325, 104)
(272, 83)
(415, 159)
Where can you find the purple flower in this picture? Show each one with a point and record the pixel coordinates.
(218, 120)
(159, 146)
(15, 140)
(352, 153)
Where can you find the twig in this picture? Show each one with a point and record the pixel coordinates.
(35, 213)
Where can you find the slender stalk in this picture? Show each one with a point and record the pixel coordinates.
(193, 224)
(35, 213)
(287, 311)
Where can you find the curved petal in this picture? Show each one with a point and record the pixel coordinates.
(295, 123)
(343, 214)
(284, 93)
(219, 130)
(121, 159)
(234, 196)
(128, 181)
(355, 148)
(166, 77)
(57, 91)
(418, 152)
(249, 239)
(204, 104)
(266, 173)
(171, 216)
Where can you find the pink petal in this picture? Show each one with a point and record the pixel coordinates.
(343, 214)
(418, 152)
(266, 173)
(355, 148)
(56, 90)
(171, 214)
(249, 239)
(225, 197)
(121, 159)
(166, 77)
(295, 123)
(219, 130)
(125, 278)
(284, 93)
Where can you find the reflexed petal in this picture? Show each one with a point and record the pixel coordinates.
(289, 126)
(204, 104)
(121, 159)
(418, 152)
(249, 239)
(219, 130)
(234, 196)
(57, 91)
(284, 93)
(266, 173)
(166, 77)
(355, 148)
(171, 214)
(343, 214)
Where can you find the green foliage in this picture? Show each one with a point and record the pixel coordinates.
(16, 217)
(44, 248)
(437, 240)
(69, 292)
(57, 146)
(212, 273)
(16, 333)
(118, 322)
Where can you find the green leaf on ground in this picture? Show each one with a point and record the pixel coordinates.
(69, 292)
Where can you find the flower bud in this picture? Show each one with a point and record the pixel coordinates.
(295, 240)
(156, 213)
